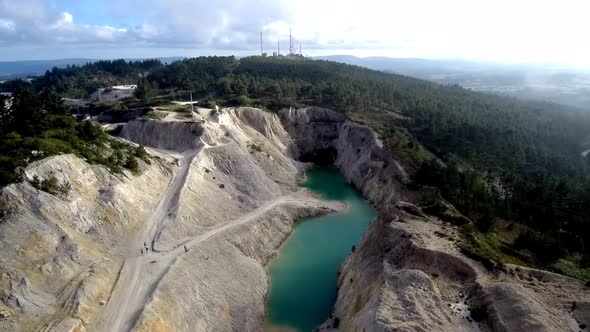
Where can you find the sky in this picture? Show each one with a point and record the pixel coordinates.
(513, 31)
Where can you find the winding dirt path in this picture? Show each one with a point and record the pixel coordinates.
(141, 274)
(137, 278)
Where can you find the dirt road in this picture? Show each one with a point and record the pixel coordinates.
(137, 277)
(141, 274)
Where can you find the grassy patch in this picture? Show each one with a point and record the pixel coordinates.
(85, 140)
(183, 116)
(155, 115)
(175, 108)
(571, 267)
(436, 206)
(490, 248)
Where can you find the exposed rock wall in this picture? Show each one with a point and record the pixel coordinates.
(365, 163)
(425, 284)
(407, 273)
(315, 130)
(171, 136)
(359, 153)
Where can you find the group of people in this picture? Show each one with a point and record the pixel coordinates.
(147, 249)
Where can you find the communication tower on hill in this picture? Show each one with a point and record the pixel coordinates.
(290, 42)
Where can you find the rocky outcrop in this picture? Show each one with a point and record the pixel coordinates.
(411, 287)
(421, 282)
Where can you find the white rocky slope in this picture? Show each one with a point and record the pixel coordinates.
(56, 252)
(227, 190)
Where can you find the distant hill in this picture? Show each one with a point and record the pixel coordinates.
(19, 69)
(409, 66)
(531, 81)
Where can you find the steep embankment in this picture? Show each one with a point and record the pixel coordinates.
(407, 273)
(225, 189)
(57, 250)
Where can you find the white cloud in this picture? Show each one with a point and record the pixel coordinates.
(503, 30)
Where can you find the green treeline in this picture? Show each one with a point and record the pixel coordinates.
(37, 125)
(81, 81)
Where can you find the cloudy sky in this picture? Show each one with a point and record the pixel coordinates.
(497, 30)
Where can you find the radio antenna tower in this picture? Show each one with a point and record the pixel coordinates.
(278, 45)
(290, 42)
(261, 50)
(300, 53)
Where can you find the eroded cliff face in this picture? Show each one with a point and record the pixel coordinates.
(407, 273)
(172, 136)
(355, 149)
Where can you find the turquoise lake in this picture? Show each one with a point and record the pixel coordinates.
(303, 276)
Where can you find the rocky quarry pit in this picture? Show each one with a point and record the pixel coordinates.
(226, 189)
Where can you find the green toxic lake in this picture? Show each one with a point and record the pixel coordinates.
(303, 276)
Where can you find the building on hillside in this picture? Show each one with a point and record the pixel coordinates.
(124, 87)
(7, 101)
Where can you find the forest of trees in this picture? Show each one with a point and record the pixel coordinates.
(37, 125)
(504, 158)
(81, 81)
